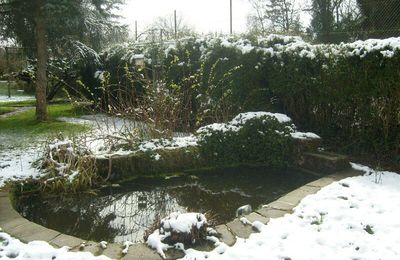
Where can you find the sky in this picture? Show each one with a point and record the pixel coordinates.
(202, 15)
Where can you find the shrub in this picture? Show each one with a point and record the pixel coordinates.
(347, 93)
(257, 140)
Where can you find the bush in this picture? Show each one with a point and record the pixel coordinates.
(347, 93)
(258, 140)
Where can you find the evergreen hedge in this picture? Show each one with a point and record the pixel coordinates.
(347, 93)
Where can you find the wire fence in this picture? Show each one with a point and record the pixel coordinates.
(328, 21)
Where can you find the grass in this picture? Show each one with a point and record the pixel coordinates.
(25, 103)
(4, 110)
(26, 126)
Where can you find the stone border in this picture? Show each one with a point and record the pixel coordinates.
(15, 225)
(278, 208)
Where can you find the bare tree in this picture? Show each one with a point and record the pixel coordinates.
(281, 16)
(164, 26)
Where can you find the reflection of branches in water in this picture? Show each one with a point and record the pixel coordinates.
(127, 214)
(118, 217)
(135, 212)
(72, 215)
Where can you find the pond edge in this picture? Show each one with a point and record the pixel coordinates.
(15, 225)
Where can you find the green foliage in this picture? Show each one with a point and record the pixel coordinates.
(346, 93)
(91, 22)
(259, 140)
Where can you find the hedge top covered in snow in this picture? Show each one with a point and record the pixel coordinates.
(277, 45)
(272, 46)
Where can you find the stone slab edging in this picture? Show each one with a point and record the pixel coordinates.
(17, 226)
(278, 208)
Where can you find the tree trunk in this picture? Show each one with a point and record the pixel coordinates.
(42, 57)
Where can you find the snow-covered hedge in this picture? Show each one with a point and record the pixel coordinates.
(348, 93)
(258, 137)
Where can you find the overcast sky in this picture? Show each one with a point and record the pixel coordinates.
(202, 15)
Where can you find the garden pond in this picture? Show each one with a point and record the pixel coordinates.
(117, 214)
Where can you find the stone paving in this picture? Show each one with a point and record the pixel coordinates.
(12, 223)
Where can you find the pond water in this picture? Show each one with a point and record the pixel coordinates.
(126, 212)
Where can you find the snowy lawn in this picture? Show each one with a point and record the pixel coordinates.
(356, 218)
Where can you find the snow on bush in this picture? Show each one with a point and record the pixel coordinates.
(252, 137)
(65, 165)
(120, 143)
(240, 120)
(177, 230)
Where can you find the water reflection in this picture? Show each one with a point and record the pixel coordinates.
(124, 213)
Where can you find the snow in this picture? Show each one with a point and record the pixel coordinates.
(304, 136)
(4, 98)
(126, 246)
(355, 218)
(244, 210)
(242, 118)
(176, 222)
(155, 241)
(257, 225)
(168, 144)
(183, 222)
(245, 221)
(99, 75)
(103, 244)
(238, 121)
(16, 164)
(11, 248)
(222, 127)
